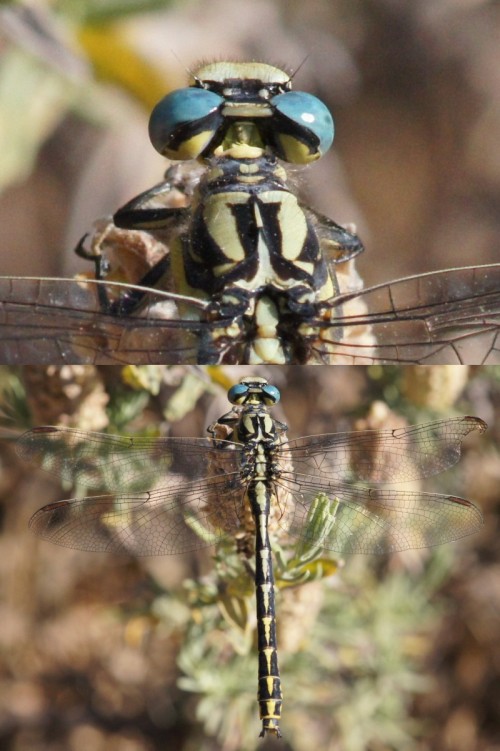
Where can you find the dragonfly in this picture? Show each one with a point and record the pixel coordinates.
(243, 271)
(173, 495)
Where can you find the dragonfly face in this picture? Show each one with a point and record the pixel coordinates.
(235, 107)
(159, 496)
(246, 272)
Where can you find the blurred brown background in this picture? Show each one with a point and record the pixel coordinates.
(389, 653)
(413, 87)
(405, 653)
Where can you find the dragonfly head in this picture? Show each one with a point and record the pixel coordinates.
(193, 122)
(253, 390)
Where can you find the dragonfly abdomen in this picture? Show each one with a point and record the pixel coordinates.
(269, 694)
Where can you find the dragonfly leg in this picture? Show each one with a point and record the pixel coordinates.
(137, 214)
(99, 260)
(130, 301)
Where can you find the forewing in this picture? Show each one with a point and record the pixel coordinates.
(377, 456)
(58, 321)
(450, 316)
(159, 490)
(125, 463)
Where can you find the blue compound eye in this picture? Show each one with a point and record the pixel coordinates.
(236, 393)
(304, 126)
(271, 393)
(184, 122)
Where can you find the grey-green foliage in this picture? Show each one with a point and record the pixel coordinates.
(367, 647)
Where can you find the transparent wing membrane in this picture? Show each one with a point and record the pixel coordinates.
(444, 317)
(379, 456)
(373, 521)
(447, 317)
(171, 495)
(112, 462)
(55, 321)
(155, 522)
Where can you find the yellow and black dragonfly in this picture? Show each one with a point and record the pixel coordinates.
(246, 272)
(247, 481)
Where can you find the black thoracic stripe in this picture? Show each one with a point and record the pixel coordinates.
(269, 694)
(310, 252)
(246, 227)
(200, 272)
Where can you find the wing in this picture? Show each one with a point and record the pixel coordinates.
(166, 495)
(160, 521)
(379, 456)
(364, 520)
(113, 462)
(58, 321)
(444, 317)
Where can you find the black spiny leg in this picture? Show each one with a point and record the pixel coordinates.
(135, 215)
(100, 261)
(101, 270)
